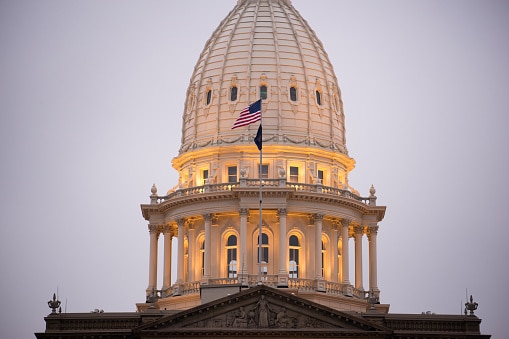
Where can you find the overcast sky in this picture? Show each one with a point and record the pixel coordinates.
(91, 98)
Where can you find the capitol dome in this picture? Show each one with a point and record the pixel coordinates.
(264, 49)
(282, 215)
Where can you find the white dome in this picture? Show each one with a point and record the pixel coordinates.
(264, 43)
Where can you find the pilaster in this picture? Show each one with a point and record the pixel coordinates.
(283, 249)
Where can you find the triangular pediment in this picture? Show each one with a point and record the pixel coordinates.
(262, 309)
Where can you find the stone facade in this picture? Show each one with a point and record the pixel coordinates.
(260, 312)
(264, 238)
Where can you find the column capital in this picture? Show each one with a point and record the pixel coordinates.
(211, 217)
(282, 212)
(152, 228)
(372, 231)
(336, 225)
(190, 223)
(319, 217)
(311, 219)
(168, 230)
(181, 222)
(345, 222)
(243, 211)
(358, 229)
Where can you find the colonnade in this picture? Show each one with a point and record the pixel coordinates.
(343, 227)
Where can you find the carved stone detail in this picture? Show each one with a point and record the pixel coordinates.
(261, 315)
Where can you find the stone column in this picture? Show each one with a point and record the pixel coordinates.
(318, 246)
(168, 234)
(320, 281)
(373, 283)
(345, 223)
(208, 246)
(335, 239)
(152, 268)
(242, 262)
(191, 253)
(283, 249)
(358, 257)
(180, 250)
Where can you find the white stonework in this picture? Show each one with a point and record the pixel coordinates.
(310, 214)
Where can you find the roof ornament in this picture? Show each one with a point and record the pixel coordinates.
(470, 306)
(54, 304)
(153, 196)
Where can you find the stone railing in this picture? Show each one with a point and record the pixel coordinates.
(272, 281)
(265, 183)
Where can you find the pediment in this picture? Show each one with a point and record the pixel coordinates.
(263, 309)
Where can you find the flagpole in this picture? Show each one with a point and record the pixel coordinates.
(260, 257)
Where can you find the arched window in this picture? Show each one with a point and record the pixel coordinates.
(231, 256)
(202, 251)
(264, 252)
(233, 93)
(263, 92)
(209, 96)
(294, 247)
(293, 93)
(319, 98)
(186, 259)
(323, 259)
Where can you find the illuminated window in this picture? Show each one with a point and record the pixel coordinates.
(293, 93)
(264, 252)
(232, 174)
(294, 247)
(265, 171)
(294, 174)
(202, 251)
(323, 259)
(231, 256)
(263, 92)
(205, 176)
(320, 176)
(318, 98)
(233, 93)
(209, 96)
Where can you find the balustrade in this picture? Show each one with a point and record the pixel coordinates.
(267, 183)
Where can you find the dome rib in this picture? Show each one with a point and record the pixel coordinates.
(264, 42)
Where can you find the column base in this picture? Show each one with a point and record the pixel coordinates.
(243, 279)
(177, 288)
(320, 285)
(348, 290)
(282, 280)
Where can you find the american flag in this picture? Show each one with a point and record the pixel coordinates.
(250, 114)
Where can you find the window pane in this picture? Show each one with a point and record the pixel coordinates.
(294, 174)
(294, 241)
(233, 93)
(265, 171)
(232, 174)
(263, 92)
(318, 98)
(293, 94)
(209, 96)
(232, 240)
(205, 176)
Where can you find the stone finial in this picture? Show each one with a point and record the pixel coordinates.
(471, 306)
(54, 304)
(153, 196)
(372, 191)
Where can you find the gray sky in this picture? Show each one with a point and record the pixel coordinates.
(91, 97)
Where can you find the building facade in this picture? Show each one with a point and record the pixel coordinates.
(265, 236)
(311, 220)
